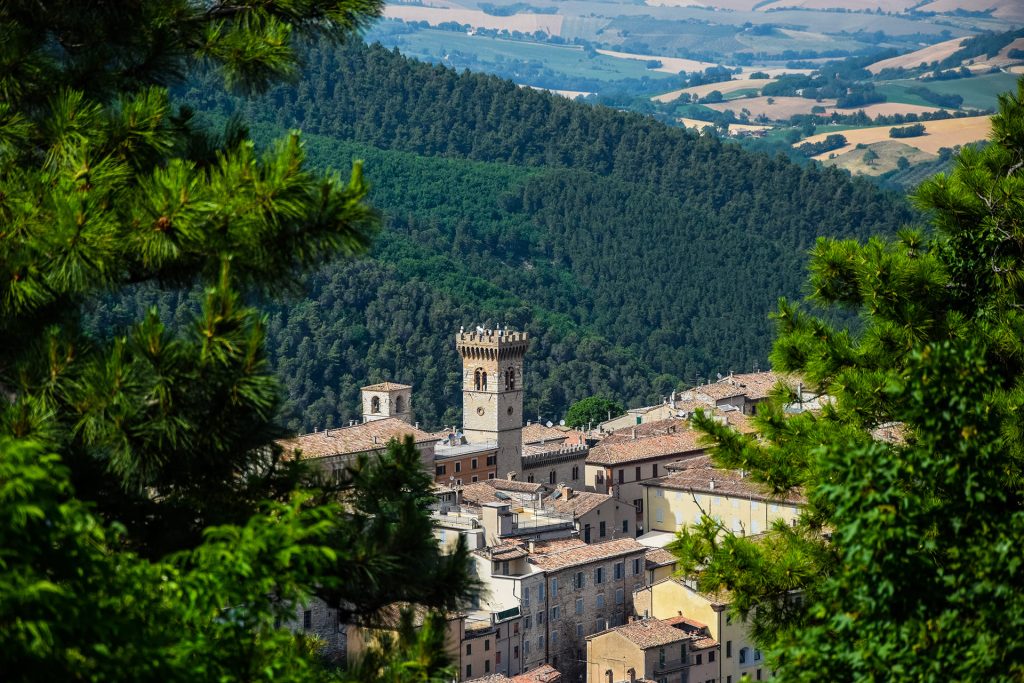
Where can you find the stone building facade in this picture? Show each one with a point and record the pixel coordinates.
(492, 392)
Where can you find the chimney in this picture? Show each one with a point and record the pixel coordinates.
(532, 545)
(375, 439)
(567, 492)
(712, 485)
(634, 433)
(417, 425)
(327, 432)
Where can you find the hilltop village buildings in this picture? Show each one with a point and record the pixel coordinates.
(568, 528)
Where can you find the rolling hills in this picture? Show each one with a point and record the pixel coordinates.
(639, 256)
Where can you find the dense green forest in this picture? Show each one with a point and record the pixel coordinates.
(639, 256)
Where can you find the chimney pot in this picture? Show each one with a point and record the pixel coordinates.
(712, 485)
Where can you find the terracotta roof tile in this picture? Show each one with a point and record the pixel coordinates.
(679, 443)
(687, 624)
(722, 482)
(360, 438)
(717, 391)
(656, 428)
(545, 673)
(515, 485)
(757, 385)
(581, 502)
(386, 386)
(659, 557)
(585, 553)
(503, 551)
(535, 432)
(648, 633)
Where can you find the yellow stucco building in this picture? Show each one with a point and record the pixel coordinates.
(696, 489)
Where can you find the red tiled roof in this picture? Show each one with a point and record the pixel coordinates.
(657, 428)
(679, 443)
(535, 432)
(515, 485)
(648, 633)
(545, 673)
(585, 553)
(719, 482)
(360, 438)
(659, 557)
(757, 385)
(386, 386)
(581, 502)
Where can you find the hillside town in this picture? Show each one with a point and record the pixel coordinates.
(568, 528)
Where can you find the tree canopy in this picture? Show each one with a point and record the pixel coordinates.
(905, 565)
(592, 410)
(149, 527)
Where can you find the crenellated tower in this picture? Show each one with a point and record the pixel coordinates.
(492, 392)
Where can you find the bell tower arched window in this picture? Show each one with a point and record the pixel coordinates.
(375, 404)
(510, 379)
(484, 385)
(477, 379)
(399, 405)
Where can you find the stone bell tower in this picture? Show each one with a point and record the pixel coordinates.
(492, 392)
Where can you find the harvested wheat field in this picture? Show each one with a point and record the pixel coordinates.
(1001, 9)
(525, 23)
(671, 65)
(725, 87)
(731, 5)
(695, 124)
(946, 133)
(938, 51)
(887, 156)
(896, 6)
(775, 71)
(780, 108)
(884, 109)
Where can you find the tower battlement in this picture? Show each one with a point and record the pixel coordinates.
(492, 344)
(492, 391)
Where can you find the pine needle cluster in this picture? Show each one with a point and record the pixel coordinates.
(905, 564)
(147, 528)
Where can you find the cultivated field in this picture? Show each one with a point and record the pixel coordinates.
(671, 65)
(731, 5)
(884, 109)
(895, 6)
(887, 153)
(1012, 10)
(780, 109)
(945, 133)
(525, 23)
(927, 55)
(979, 92)
(734, 128)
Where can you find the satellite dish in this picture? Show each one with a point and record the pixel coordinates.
(561, 423)
(549, 423)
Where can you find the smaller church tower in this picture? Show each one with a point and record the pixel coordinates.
(492, 392)
(387, 399)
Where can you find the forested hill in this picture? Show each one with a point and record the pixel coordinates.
(639, 255)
